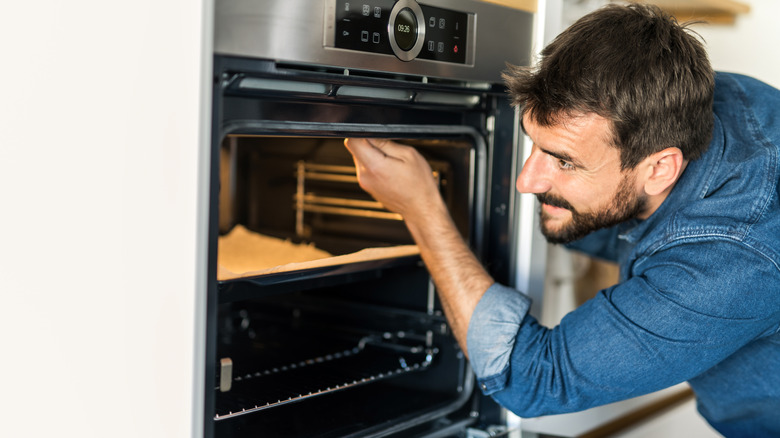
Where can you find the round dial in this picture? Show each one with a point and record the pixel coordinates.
(405, 32)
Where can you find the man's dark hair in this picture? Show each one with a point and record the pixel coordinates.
(633, 65)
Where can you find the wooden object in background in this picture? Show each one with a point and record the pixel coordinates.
(523, 5)
(711, 11)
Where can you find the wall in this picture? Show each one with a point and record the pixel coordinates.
(749, 46)
(101, 132)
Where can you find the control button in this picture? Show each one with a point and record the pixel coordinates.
(346, 7)
(366, 10)
(405, 29)
(377, 12)
(441, 23)
(376, 37)
(432, 22)
(364, 36)
(441, 47)
(430, 46)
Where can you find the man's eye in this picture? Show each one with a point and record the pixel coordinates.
(565, 165)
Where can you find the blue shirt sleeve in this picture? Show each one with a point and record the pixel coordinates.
(491, 334)
(672, 320)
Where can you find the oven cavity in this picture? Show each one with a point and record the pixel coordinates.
(324, 306)
(294, 203)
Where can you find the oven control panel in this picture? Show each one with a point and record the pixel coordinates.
(403, 28)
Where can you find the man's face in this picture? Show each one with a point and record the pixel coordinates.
(575, 173)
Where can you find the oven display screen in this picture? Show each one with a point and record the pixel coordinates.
(363, 25)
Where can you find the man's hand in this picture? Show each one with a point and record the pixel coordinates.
(400, 178)
(395, 175)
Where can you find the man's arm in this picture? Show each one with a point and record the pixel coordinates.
(400, 178)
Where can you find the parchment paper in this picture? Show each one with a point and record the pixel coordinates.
(244, 253)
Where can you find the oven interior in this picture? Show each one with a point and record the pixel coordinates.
(305, 189)
(327, 347)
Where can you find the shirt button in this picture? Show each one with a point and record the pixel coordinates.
(483, 386)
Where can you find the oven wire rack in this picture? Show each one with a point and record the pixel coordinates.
(374, 358)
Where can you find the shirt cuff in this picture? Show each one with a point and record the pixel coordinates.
(491, 335)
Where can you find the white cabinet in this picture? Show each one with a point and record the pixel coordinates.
(102, 133)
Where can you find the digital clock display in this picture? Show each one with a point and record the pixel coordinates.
(406, 29)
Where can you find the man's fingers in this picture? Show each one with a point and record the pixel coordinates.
(388, 147)
(366, 150)
(361, 149)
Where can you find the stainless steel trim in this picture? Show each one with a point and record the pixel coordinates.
(407, 55)
(529, 243)
(329, 31)
(303, 32)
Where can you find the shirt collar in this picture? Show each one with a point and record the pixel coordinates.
(693, 184)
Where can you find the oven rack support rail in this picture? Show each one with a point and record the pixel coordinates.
(383, 349)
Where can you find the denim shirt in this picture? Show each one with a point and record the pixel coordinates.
(698, 300)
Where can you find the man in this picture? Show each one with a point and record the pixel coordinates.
(642, 155)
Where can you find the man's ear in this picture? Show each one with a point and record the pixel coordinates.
(662, 170)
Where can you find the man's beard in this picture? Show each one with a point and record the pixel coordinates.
(624, 206)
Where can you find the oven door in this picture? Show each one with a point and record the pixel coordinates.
(322, 318)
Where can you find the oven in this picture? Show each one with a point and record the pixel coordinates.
(322, 320)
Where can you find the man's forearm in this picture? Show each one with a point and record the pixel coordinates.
(400, 178)
(459, 277)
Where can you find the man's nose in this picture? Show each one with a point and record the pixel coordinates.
(534, 176)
